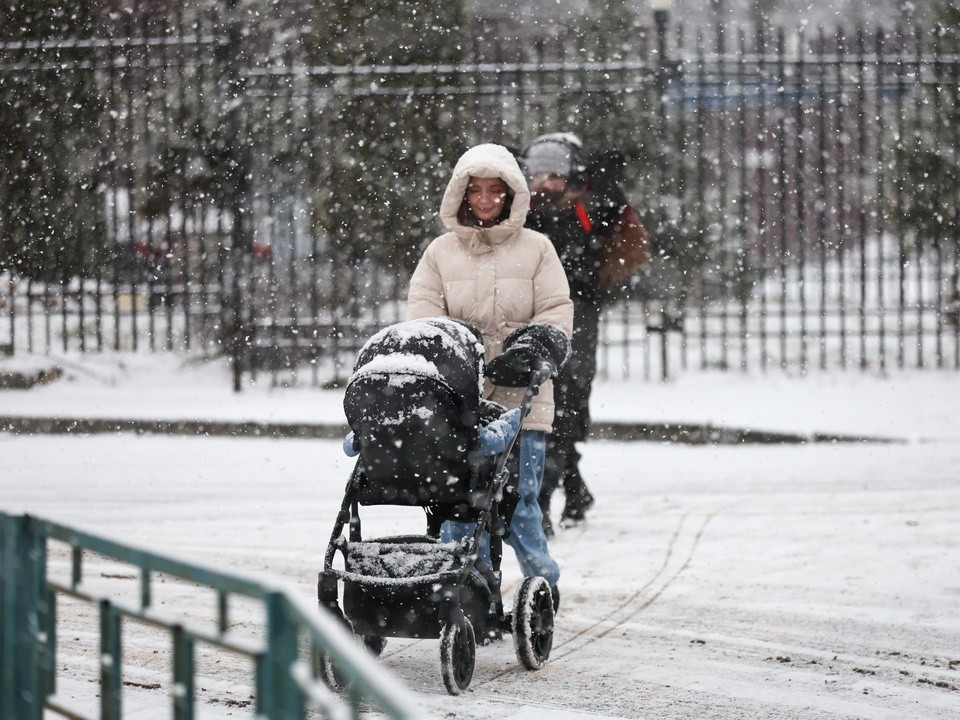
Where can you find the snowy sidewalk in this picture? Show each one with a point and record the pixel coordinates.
(173, 393)
(782, 582)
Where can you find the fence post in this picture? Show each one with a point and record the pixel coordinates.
(23, 665)
(661, 21)
(237, 182)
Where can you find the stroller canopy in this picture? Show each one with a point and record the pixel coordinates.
(413, 404)
(426, 353)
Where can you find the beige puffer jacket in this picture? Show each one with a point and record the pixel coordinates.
(497, 279)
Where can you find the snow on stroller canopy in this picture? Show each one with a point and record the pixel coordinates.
(440, 349)
(400, 369)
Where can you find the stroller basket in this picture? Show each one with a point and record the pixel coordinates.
(396, 586)
(408, 558)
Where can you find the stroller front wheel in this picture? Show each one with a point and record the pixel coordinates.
(533, 622)
(330, 674)
(458, 654)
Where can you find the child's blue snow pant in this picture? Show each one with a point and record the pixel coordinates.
(526, 528)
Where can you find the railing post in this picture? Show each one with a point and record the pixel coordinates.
(662, 76)
(669, 322)
(183, 675)
(661, 24)
(279, 696)
(110, 656)
(47, 638)
(661, 21)
(24, 669)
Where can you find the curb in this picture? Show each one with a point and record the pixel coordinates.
(692, 434)
(680, 433)
(211, 428)
(26, 380)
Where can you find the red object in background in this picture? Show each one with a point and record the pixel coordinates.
(583, 217)
(146, 249)
(260, 250)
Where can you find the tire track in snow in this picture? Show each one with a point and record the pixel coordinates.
(631, 612)
(589, 634)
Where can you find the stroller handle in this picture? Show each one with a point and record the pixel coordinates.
(539, 374)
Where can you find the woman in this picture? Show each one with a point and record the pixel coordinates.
(507, 281)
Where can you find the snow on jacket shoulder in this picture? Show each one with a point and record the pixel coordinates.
(498, 278)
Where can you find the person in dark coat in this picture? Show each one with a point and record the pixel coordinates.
(575, 205)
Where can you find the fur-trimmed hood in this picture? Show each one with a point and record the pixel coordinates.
(486, 161)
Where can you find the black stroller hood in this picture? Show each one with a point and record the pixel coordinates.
(413, 404)
(438, 351)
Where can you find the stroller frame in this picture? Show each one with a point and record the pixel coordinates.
(451, 595)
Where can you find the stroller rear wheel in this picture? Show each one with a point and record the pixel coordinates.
(329, 673)
(533, 622)
(374, 643)
(458, 654)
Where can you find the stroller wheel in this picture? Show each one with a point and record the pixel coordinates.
(326, 670)
(330, 674)
(374, 643)
(533, 622)
(458, 654)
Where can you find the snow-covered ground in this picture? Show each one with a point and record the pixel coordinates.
(784, 581)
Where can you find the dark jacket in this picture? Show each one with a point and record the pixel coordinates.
(577, 234)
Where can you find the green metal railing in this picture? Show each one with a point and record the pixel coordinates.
(287, 676)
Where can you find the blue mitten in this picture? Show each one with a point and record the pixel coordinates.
(496, 437)
(349, 445)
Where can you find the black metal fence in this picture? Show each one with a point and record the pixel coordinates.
(208, 189)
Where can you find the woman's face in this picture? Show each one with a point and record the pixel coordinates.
(486, 197)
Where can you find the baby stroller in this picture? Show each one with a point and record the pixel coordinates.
(414, 406)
